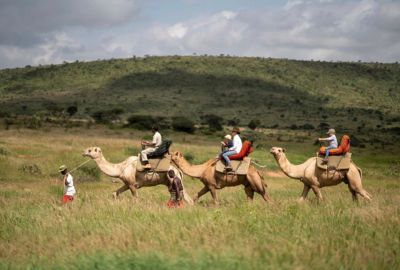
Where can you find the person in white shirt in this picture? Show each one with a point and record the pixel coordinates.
(151, 146)
(332, 142)
(235, 149)
(69, 189)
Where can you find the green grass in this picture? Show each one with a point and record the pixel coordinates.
(97, 232)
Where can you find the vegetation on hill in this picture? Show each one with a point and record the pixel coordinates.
(356, 97)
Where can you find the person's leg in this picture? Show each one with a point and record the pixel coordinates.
(327, 151)
(144, 154)
(226, 157)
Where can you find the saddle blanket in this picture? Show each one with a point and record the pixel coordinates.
(157, 164)
(238, 166)
(335, 162)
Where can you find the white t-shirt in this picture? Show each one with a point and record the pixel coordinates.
(157, 139)
(237, 144)
(69, 188)
(333, 141)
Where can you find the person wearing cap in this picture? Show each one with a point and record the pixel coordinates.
(332, 143)
(69, 189)
(227, 143)
(235, 149)
(175, 189)
(151, 146)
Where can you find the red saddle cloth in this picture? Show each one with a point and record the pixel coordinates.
(343, 148)
(244, 152)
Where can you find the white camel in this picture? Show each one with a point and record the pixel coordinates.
(126, 171)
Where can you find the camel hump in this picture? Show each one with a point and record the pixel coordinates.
(239, 167)
(335, 162)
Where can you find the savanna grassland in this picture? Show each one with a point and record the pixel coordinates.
(98, 232)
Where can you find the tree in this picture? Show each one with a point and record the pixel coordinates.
(213, 121)
(71, 110)
(254, 123)
(183, 124)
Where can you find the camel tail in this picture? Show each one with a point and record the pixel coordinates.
(262, 178)
(360, 172)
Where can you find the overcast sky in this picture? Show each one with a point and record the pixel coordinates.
(34, 32)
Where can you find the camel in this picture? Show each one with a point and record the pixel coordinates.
(315, 178)
(253, 181)
(126, 171)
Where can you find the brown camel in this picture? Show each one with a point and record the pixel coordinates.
(253, 181)
(315, 178)
(126, 171)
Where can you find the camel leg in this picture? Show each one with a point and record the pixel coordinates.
(257, 184)
(249, 192)
(355, 184)
(214, 195)
(203, 191)
(119, 191)
(317, 192)
(304, 194)
(133, 190)
(353, 193)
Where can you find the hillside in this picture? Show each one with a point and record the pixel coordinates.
(279, 93)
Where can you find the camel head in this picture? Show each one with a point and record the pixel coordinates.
(277, 152)
(177, 157)
(92, 152)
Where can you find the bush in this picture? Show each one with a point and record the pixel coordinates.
(142, 122)
(31, 169)
(71, 110)
(105, 117)
(213, 121)
(183, 124)
(254, 123)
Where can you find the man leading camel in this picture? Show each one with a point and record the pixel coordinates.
(151, 146)
(235, 149)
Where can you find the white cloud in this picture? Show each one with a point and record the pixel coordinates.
(177, 30)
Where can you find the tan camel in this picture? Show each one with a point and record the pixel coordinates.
(253, 181)
(315, 178)
(126, 171)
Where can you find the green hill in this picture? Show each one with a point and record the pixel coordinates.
(279, 93)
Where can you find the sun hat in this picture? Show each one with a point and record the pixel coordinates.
(62, 168)
(228, 137)
(331, 131)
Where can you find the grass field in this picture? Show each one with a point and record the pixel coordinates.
(97, 232)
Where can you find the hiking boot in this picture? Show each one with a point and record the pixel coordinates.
(147, 166)
(228, 168)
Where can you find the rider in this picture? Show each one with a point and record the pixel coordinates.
(235, 149)
(151, 146)
(332, 143)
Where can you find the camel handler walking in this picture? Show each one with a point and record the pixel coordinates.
(69, 189)
(151, 146)
(176, 190)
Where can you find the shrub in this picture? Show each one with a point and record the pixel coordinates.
(31, 169)
(183, 124)
(143, 122)
(71, 110)
(213, 121)
(254, 123)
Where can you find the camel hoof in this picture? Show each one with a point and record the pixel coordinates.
(115, 196)
(301, 201)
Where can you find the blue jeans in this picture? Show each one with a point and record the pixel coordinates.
(226, 155)
(327, 150)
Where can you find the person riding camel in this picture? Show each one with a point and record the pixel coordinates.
(175, 189)
(151, 146)
(227, 143)
(235, 149)
(69, 189)
(332, 143)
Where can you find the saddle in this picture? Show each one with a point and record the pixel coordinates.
(161, 150)
(160, 164)
(239, 167)
(338, 163)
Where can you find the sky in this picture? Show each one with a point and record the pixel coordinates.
(41, 32)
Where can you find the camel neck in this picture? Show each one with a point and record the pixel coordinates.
(110, 169)
(195, 171)
(292, 171)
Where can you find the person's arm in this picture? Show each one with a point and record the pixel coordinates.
(324, 139)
